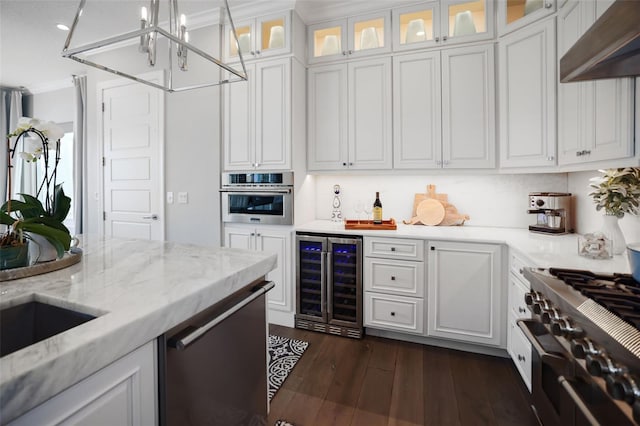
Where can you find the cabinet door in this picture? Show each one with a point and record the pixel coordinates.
(273, 115)
(527, 96)
(466, 20)
(273, 35)
(278, 242)
(369, 34)
(239, 237)
(515, 14)
(468, 105)
(416, 26)
(122, 393)
(417, 112)
(327, 41)
(466, 303)
(245, 31)
(239, 123)
(370, 114)
(327, 120)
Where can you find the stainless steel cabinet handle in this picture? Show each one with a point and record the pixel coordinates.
(153, 217)
(578, 401)
(521, 357)
(192, 337)
(330, 284)
(521, 309)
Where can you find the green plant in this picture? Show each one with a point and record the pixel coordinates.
(617, 191)
(29, 215)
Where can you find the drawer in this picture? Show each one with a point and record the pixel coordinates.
(519, 349)
(517, 263)
(401, 277)
(517, 291)
(394, 248)
(398, 313)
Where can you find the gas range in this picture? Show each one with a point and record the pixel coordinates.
(585, 335)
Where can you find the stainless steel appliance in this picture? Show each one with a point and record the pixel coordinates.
(552, 211)
(329, 284)
(213, 367)
(257, 197)
(585, 340)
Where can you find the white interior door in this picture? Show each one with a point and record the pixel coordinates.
(133, 140)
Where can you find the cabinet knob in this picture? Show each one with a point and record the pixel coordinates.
(393, 314)
(444, 38)
(350, 52)
(551, 158)
(445, 162)
(521, 309)
(252, 53)
(548, 5)
(393, 278)
(344, 53)
(351, 164)
(433, 248)
(437, 39)
(344, 164)
(257, 52)
(258, 234)
(393, 249)
(587, 152)
(521, 357)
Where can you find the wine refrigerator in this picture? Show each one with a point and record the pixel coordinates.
(329, 284)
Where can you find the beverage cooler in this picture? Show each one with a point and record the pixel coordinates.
(329, 284)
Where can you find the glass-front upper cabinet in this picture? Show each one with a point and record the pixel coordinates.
(514, 14)
(442, 22)
(353, 37)
(260, 37)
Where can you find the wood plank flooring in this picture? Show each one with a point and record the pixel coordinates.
(375, 381)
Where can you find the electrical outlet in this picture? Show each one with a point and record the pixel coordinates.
(169, 197)
(183, 197)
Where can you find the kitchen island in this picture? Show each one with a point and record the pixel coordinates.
(137, 290)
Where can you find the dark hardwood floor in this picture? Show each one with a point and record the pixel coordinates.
(375, 381)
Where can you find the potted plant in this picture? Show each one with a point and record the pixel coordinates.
(28, 219)
(616, 192)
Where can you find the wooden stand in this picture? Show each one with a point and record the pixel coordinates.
(386, 225)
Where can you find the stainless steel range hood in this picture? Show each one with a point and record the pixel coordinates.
(609, 49)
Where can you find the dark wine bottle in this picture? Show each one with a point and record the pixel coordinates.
(377, 210)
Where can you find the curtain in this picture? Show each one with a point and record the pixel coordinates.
(79, 152)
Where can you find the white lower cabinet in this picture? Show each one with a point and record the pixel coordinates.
(268, 239)
(518, 346)
(123, 393)
(466, 292)
(394, 287)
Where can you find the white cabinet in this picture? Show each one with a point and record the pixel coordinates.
(258, 116)
(518, 346)
(527, 87)
(273, 240)
(122, 393)
(259, 37)
(466, 292)
(349, 115)
(394, 284)
(443, 22)
(595, 118)
(515, 14)
(350, 38)
(444, 108)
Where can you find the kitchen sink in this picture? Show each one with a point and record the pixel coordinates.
(31, 322)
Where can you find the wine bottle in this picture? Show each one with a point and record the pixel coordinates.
(377, 210)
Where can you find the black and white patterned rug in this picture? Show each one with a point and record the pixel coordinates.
(284, 353)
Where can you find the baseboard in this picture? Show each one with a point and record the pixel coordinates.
(449, 344)
(281, 318)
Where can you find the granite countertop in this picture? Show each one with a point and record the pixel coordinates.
(538, 250)
(138, 290)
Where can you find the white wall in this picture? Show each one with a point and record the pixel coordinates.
(490, 200)
(587, 218)
(57, 106)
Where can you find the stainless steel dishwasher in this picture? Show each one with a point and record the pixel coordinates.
(213, 367)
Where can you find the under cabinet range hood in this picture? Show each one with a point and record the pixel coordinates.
(609, 49)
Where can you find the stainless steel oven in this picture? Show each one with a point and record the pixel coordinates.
(257, 197)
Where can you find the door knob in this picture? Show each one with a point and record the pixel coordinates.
(153, 217)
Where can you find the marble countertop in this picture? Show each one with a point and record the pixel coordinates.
(538, 250)
(138, 290)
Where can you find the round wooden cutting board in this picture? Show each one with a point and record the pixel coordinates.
(430, 212)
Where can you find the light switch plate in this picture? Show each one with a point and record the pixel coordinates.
(183, 197)
(169, 197)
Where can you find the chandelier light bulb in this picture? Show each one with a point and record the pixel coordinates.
(183, 20)
(143, 13)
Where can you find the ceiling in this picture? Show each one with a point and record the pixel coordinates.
(30, 43)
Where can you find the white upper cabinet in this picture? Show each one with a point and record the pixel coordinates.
(257, 118)
(527, 87)
(444, 109)
(259, 38)
(595, 118)
(514, 14)
(350, 38)
(442, 23)
(349, 113)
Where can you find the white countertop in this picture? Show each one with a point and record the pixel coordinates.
(539, 250)
(138, 289)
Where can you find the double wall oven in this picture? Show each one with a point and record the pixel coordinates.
(257, 197)
(585, 337)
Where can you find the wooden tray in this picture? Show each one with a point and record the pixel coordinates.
(386, 225)
(42, 268)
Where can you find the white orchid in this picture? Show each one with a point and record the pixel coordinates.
(51, 130)
(33, 149)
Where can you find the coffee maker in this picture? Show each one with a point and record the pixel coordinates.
(552, 211)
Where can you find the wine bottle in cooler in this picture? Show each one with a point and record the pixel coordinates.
(377, 210)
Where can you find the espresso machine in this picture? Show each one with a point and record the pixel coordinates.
(552, 211)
